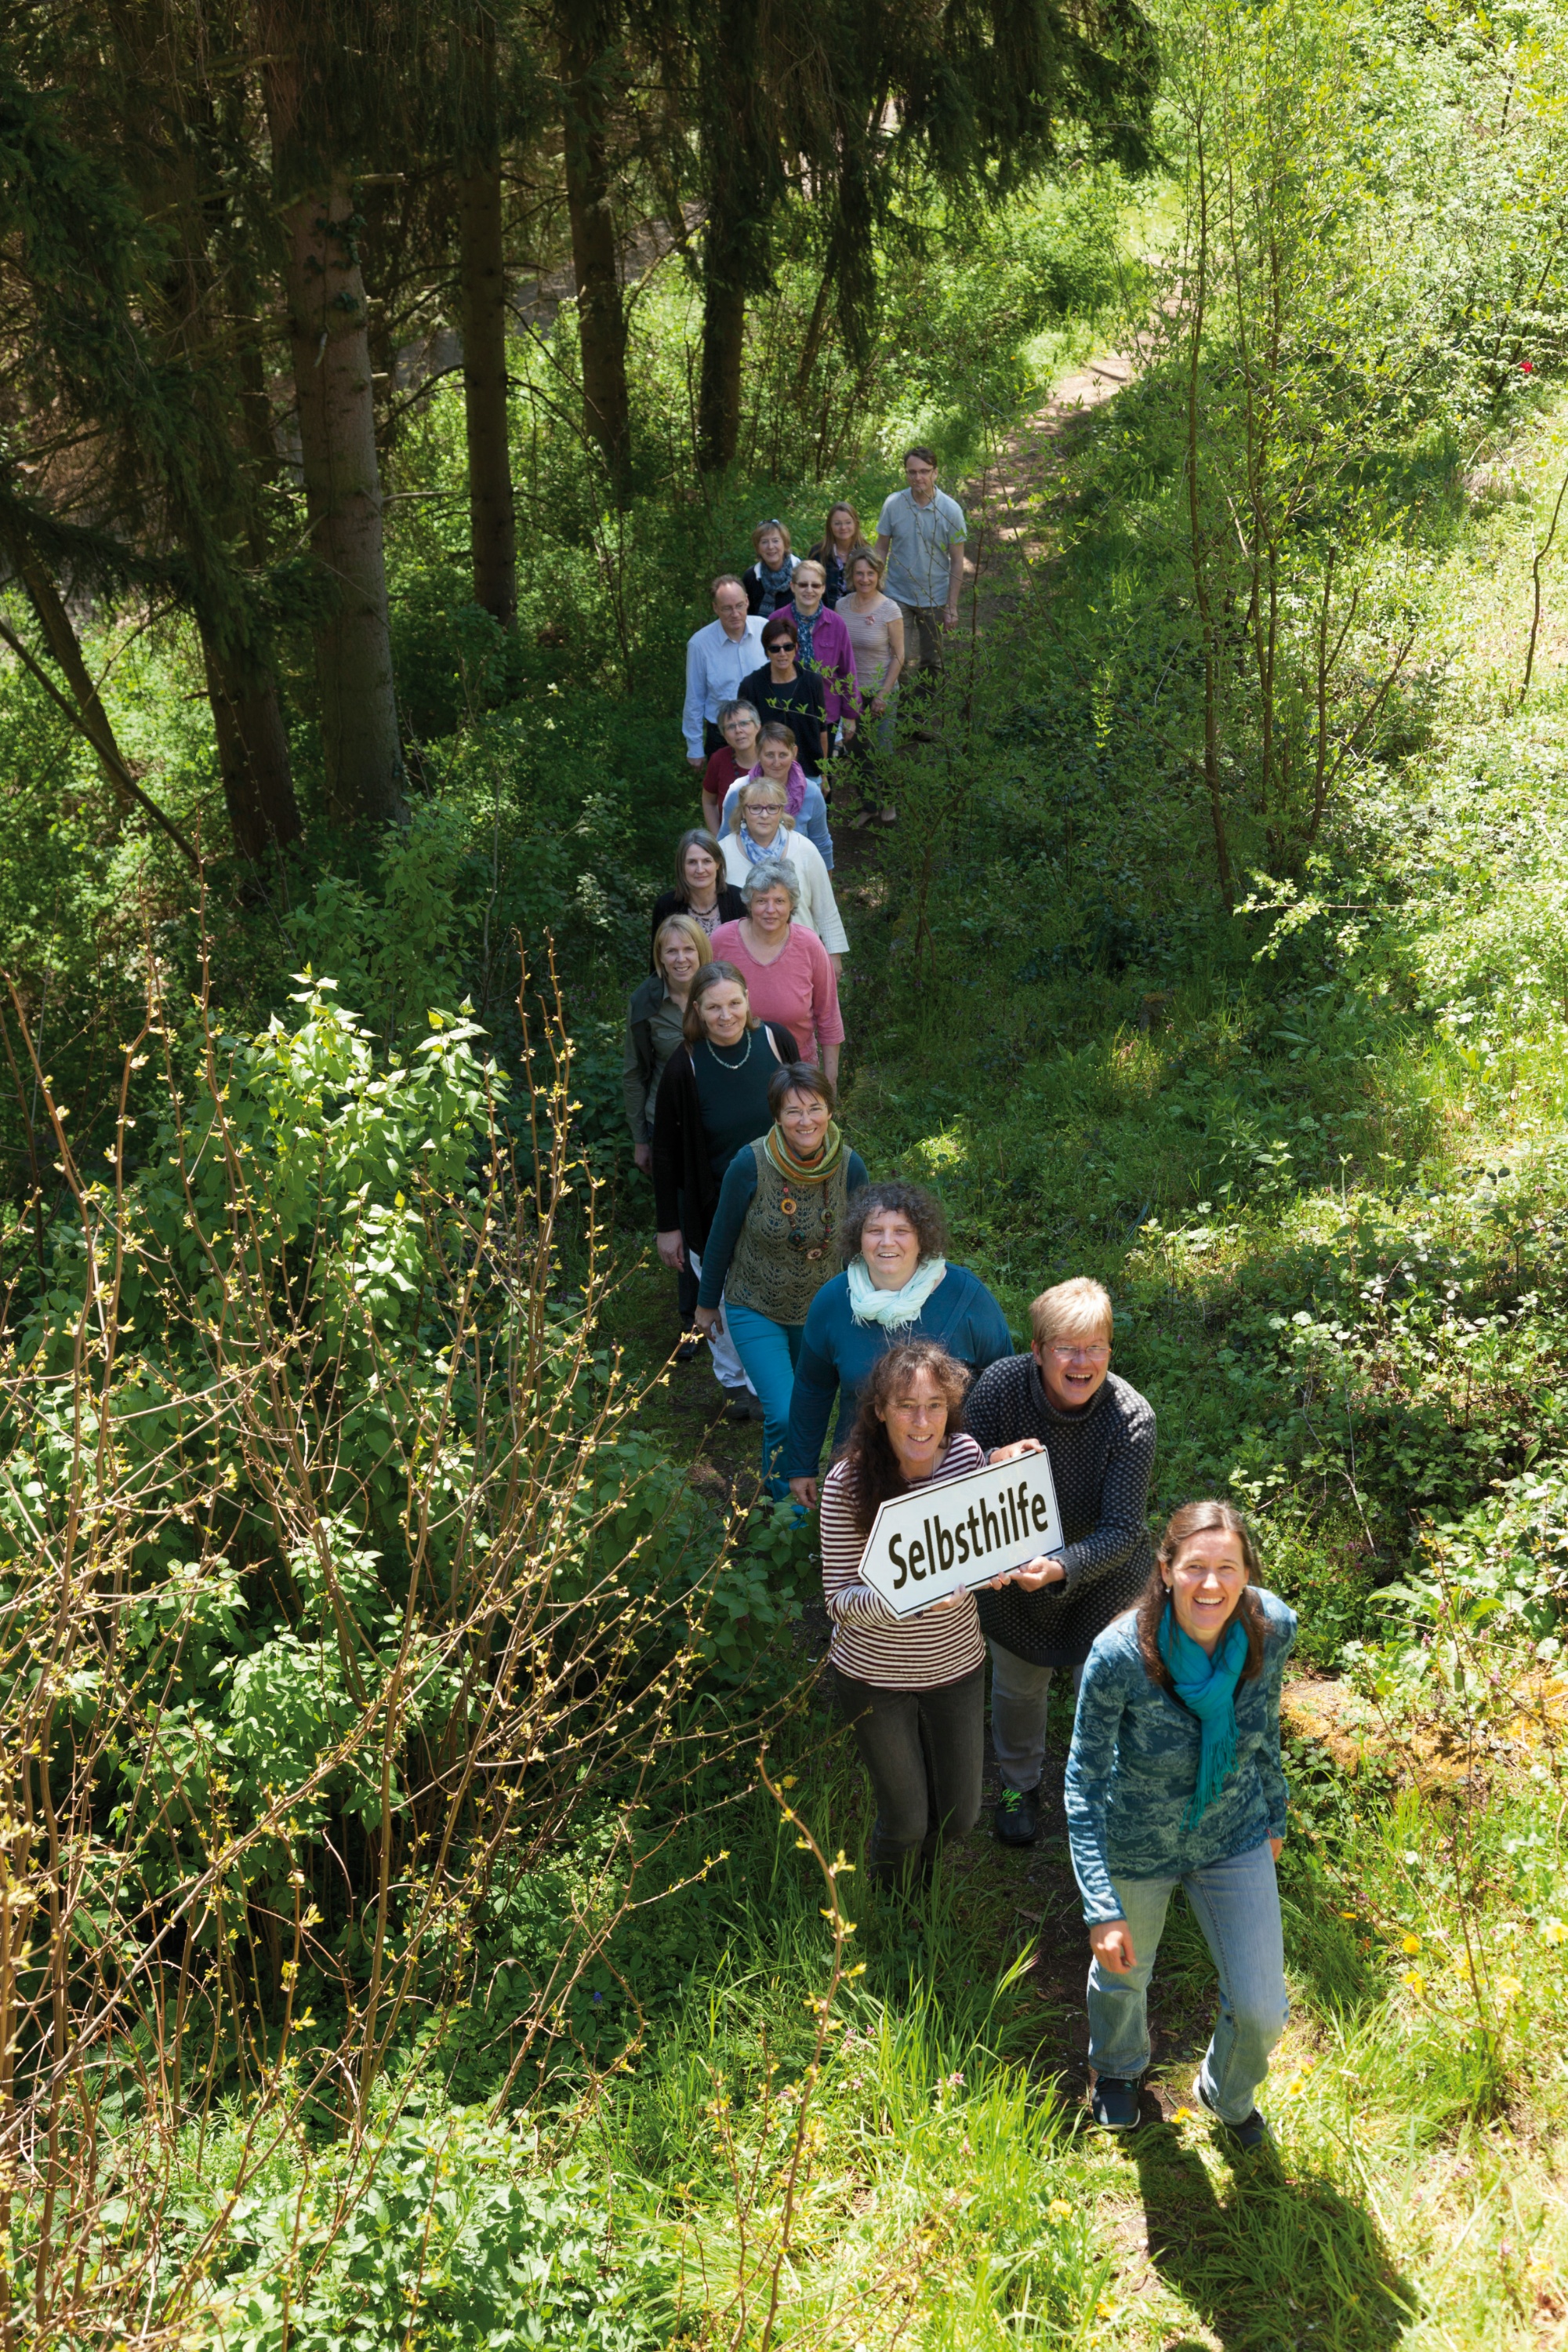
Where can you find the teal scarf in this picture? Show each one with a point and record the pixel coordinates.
(1207, 1685)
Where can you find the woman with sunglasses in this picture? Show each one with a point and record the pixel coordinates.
(786, 694)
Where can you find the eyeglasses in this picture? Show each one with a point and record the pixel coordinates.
(772, 523)
(1067, 1352)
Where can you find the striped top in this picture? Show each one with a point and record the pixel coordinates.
(918, 1652)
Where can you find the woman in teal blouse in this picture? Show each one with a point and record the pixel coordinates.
(896, 1284)
(1175, 1779)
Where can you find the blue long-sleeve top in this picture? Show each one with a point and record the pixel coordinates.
(1133, 1767)
(836, 1353)
(736, 1195)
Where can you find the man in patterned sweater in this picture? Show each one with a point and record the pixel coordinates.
(1100, 1434)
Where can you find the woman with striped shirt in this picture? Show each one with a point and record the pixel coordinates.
(912, 1688)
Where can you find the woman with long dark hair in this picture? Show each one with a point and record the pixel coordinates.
(701, 888)
(712, 1099)
(841, 534)
(1174, 1779)
(912, 1688)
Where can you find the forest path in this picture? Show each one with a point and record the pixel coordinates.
(1009, 503)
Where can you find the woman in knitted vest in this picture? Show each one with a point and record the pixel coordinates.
(1175, 1779)
(770, 1247)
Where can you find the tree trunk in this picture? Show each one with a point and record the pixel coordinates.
(492, 512)
(64, 646)
(719, 388)
(253, 755)
(328, 334)
(595, 264)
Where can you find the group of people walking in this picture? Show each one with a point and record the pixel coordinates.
(824, 1296)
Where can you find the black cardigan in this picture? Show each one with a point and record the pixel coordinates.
(805, 714)
(731, 909)
(685, 1189)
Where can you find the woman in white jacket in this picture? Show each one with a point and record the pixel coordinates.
(759, 827)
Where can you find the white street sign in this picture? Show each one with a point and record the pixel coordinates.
(962, 1531)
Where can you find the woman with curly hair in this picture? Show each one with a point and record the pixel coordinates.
(1174, 1779)
(912, 1688)
(897, 1286)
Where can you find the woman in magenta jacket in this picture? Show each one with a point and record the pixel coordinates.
(825, 650)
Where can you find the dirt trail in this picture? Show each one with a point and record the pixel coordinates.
(1008, 506)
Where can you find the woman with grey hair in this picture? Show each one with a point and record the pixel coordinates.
(783, 963)
(760, 829)
(736, 757)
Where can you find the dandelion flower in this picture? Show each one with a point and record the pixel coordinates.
(1554, 1932)
(1413, 1981)
(1508, 1987)
(1103, 2310)
(1412, 1945)
(790, 1780)
(1058, 2210)
(1183, 2116)
(1350, 1914)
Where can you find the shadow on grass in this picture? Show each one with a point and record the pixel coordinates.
(1275, 2260)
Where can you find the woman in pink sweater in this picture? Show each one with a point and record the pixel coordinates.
(783, 963)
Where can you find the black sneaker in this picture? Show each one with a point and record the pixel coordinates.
(1018, 1816)
(743, 1406)
(1249, 2134)
(690, 1346)
(1113, 2103)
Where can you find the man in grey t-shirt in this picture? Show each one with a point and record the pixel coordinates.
(920, 533)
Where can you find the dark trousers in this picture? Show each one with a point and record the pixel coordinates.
(923, 1749)
(686, 1296)
(713, 738)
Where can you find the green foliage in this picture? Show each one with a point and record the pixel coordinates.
(505, 2259)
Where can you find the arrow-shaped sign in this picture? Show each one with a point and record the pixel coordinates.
(965, 1530)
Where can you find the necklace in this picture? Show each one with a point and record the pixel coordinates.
(731, 1066)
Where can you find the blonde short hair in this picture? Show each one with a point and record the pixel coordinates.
(755, 787)
(1078, 1309)
(688, 928)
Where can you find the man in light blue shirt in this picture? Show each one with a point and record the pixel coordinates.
(717, 658)
(920, 533)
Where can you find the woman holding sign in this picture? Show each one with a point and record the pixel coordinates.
(897, 1286)
(912, 1688)
(1175, 1779)
(770, 1246)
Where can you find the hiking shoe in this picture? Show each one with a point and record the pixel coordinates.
(1018, 1816)
(743, 1406)
(1113, 2103)
(692, 1345)
(1249, 2134)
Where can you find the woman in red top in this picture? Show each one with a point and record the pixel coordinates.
(735, 758)
(783, 963)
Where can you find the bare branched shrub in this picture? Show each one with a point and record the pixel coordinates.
(338, 1593)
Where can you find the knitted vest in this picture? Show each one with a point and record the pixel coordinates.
(785, 1251)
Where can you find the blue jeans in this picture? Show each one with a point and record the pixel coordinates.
(1238, 1906)
(768, 1352)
